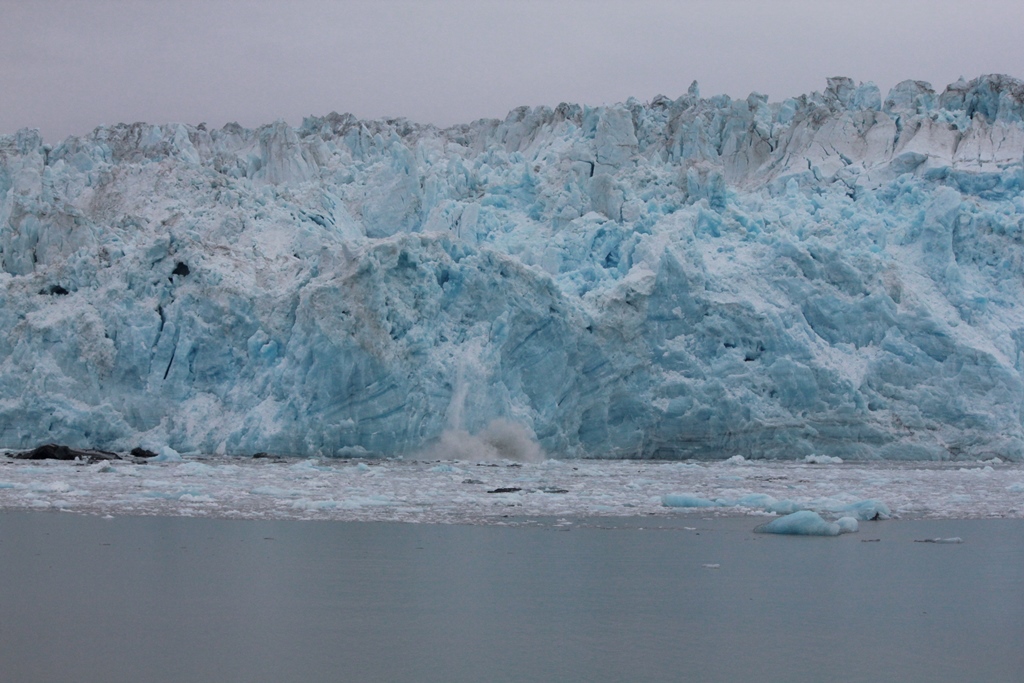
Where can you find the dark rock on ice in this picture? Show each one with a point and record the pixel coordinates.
(52, 451)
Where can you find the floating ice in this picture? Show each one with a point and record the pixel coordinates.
(166, 454)
(823, 460)
(756, 500)
(866, 510)
(862, 510)
(838, 274)
(785, 507)
(414, 491)
(307, 504)
(197, 469)
(50, 487)
(686, 500)
(847, 525)
(274, 492)
(805, 523)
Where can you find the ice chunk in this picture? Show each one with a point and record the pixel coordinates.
(785, 507)
(823, 460)
(866, 510)
(756, 500)
(803, 523)
(687, 500)
(847, 525)
(166, 454)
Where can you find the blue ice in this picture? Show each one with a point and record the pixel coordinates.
(807, 523)
(839, 275)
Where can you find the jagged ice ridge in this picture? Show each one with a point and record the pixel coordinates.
(832, 274)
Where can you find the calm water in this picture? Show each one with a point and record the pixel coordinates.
(176, 599)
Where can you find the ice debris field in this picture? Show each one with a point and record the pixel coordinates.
(826, 498)
(838, 273)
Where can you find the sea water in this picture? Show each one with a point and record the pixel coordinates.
(152, 599)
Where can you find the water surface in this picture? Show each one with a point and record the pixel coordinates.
(153, 599)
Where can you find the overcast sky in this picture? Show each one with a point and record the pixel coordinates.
(67, 66)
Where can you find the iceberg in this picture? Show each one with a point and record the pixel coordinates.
(808, 523)
(837, 275)
(688, 500)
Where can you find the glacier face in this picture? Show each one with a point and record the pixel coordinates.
(838, 274)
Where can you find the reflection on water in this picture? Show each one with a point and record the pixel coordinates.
(174, 599)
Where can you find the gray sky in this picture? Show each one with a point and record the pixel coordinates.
(67, 66)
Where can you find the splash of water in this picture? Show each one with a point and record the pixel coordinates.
(499, 440)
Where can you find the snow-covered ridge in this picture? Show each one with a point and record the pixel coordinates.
(838, 274)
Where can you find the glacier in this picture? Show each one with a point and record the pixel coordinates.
(837, 275)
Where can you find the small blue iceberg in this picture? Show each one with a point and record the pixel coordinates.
(808, 523)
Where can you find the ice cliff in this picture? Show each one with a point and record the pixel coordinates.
(837, 273)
